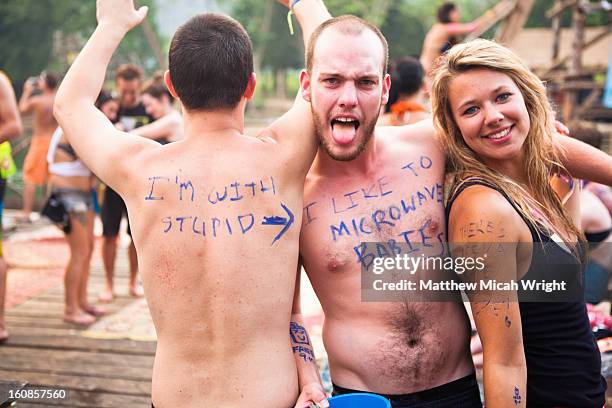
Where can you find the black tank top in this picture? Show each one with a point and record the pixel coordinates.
(563, 361)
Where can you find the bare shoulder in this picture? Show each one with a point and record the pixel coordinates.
(419, 135)
(481, 205)
(268, 135)
(422, 131)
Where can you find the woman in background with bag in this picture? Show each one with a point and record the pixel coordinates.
(71, 207)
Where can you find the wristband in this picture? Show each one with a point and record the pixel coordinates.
(289, 21)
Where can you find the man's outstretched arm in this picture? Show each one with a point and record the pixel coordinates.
(95, 139)
(584, 161)
(296, 127)
(310, 14)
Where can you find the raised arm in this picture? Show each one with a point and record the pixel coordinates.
(311, 389)
(296, 127)
(10, 122)
(94, 138)
(26, 101)
(584, 161)
(496, 313)
(453, 29)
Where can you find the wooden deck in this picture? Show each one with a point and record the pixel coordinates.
(43, 352)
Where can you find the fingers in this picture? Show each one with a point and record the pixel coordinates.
(561, 128)
(323, 403)
(142, 13)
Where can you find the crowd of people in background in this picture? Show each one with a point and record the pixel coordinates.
(74, 196)
(474, 111)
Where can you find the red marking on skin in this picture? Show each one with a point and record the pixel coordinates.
(333, 265)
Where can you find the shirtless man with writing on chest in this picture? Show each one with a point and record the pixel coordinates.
(214, 216)
(380, 185)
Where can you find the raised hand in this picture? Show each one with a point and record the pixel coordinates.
(119, 14)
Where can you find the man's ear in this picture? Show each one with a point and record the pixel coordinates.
(386, 89)
(305, 85)
(169, 84)
(250, 89)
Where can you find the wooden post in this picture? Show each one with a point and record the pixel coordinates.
(513, 25)
(571, 97)
(556, 26)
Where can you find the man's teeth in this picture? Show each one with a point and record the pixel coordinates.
(499, 135)
(345, 121)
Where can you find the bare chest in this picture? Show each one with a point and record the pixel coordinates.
(348, 221)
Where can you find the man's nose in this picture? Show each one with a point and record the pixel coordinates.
(348, 96)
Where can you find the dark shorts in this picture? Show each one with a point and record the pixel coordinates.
(461, 393)
(113, 209)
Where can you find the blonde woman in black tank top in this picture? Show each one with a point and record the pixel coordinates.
(497, 127)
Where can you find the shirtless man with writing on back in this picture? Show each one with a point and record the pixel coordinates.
(215, 217)
(382, 185)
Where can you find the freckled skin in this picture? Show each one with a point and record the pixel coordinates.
(383, 347)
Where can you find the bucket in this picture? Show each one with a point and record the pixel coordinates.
(359, 400)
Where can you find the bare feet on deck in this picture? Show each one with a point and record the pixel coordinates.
(106, 295)
(94, 310)
(3, 335)
(136, 290)
(79, 318)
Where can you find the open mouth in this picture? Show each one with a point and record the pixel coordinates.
(499, 135)
(344, 129)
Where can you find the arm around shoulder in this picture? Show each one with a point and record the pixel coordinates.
(584, 161)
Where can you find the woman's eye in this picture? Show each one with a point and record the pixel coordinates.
(470, 111)
(503, 97)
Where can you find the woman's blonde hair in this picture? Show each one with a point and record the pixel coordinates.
(541, 158)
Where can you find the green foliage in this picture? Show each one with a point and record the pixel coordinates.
(29, 30)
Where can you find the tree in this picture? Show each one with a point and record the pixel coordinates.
(34, 33)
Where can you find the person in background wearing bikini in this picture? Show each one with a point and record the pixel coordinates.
(71, 184)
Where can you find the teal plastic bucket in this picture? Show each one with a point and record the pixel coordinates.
(359, 400)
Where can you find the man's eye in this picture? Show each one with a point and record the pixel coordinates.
(367, 82)
(331, 81)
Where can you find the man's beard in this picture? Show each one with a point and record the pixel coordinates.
(328, 145)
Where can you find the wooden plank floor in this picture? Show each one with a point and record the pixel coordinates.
(43, 352)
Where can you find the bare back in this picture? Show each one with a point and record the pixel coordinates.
(436, 38)
(216, 229)
(384, 347)
(44, 122)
